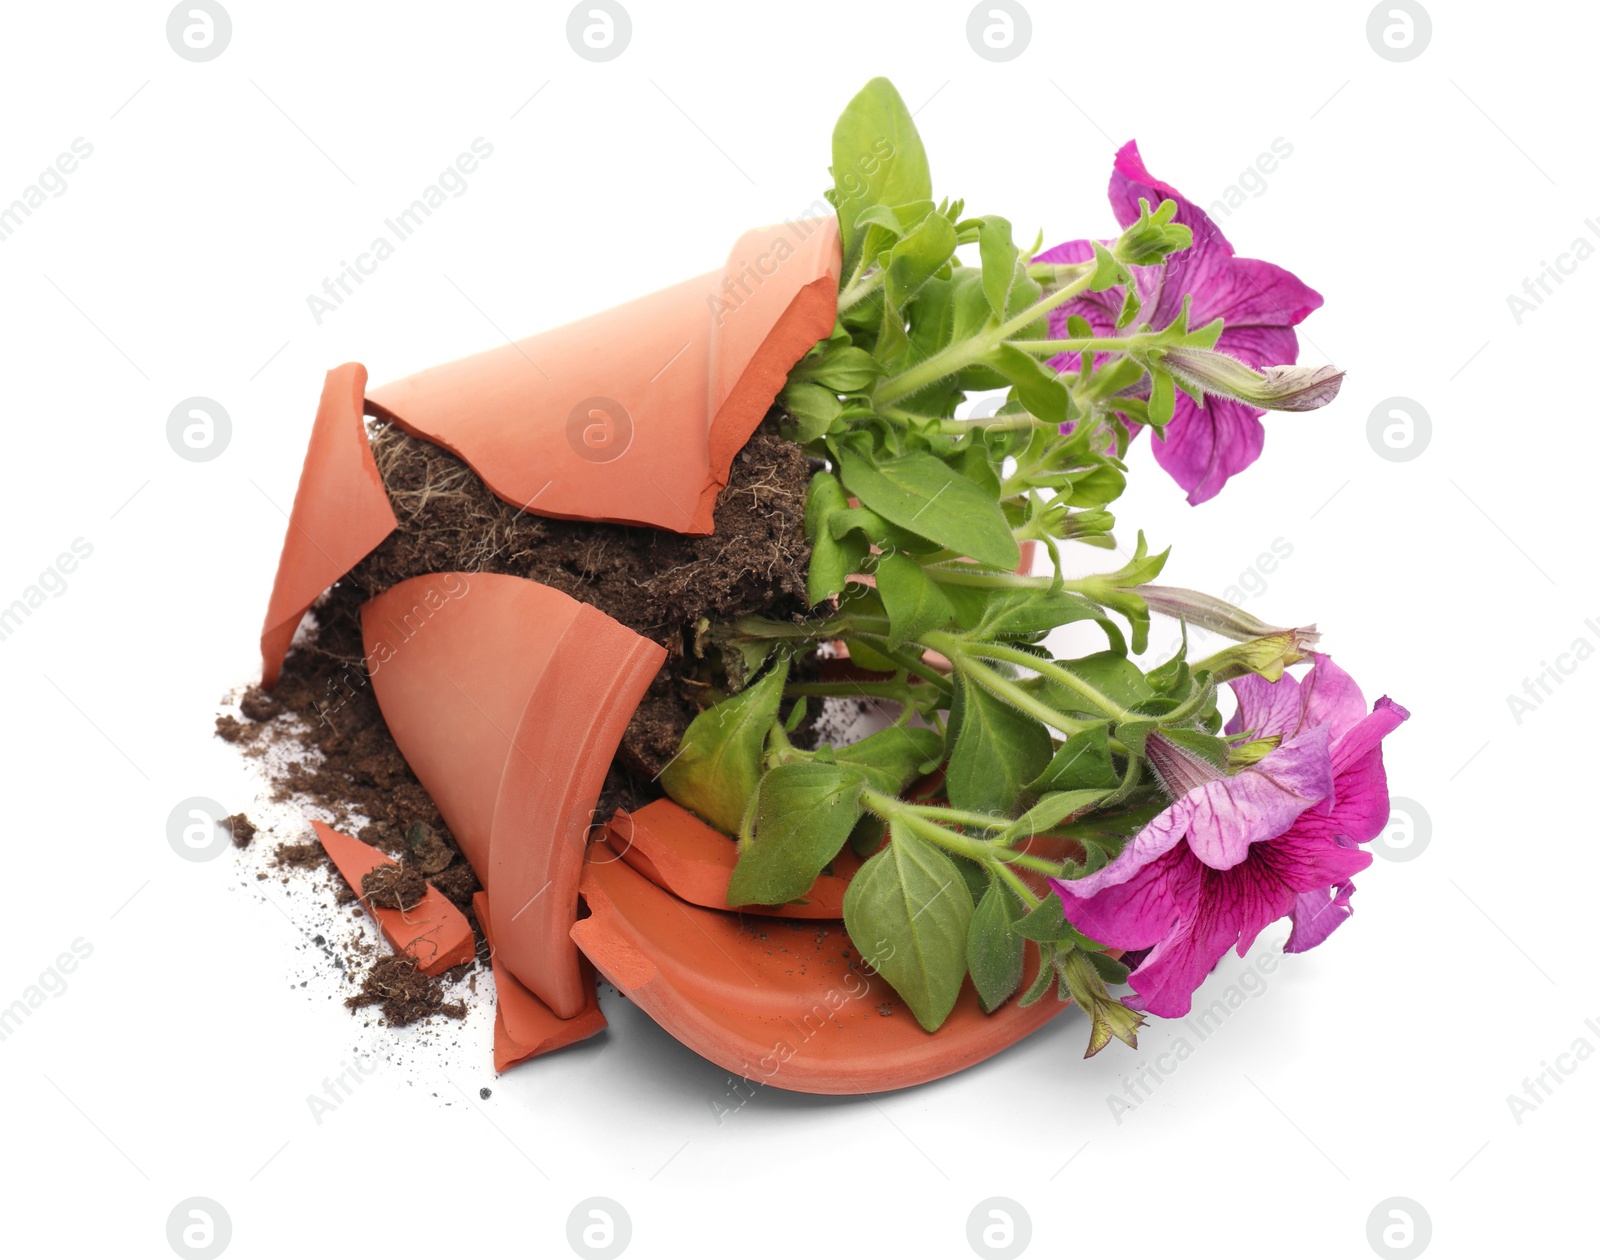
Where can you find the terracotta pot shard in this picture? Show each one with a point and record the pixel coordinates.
(677, 852)
(777, 1001)
(508, 699)
(433, 932)
(524, 1027)
(341, 512)
(634, 415)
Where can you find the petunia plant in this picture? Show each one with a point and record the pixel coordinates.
(1042, 828)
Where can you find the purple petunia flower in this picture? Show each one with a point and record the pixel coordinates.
(1258, 302)
(1236, 853)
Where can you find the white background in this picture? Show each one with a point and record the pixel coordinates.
(1418, 196)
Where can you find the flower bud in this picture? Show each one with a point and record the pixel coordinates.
(1267, 656)
(1285, 388)
(1153, 236)
(1220, 617)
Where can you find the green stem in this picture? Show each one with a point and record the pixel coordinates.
(973, 575)
(1049, 669)
(965, 353)
(1078, 345)
(963, 817)
(891, 809)
(1002, 688)
(860, 287)
(1018, 886)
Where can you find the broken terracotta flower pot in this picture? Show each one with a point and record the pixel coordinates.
(776, 1001)
(631, 416)
(524, 1027)
(433, 933)
(508, 699)
(677, 852)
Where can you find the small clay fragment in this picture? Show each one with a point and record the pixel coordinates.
(523, 1025)
(240, 828)
(676, 851)
(433, 932)
(403, 993)
(394, 887)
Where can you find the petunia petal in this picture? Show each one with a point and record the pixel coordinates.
(1227, 816)
(1139, 911)
(1205, 446)
(1316, 914)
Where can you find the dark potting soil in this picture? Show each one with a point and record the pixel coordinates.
(657, 583)
(394, 887)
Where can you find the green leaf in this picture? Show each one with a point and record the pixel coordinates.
(718, 765)
(916, 257)
(1046, 925)
(999, 254)
(899, 753)
(1082, 761)
(1038, 388)
(1112, 674)
(1108, 272)
(813, 407)
(994, 950)
(844, 369)
(908, 911)
(924, 495)
(914, 603)
(878, 159)
(833, 560)
(995, 751)
(1111, 970)
(1012, 614)
(1162, 399)
(1050, 811)
(805, 811)
(913, 261)
(866, 837)
(864, 655)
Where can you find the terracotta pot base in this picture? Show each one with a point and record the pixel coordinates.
(524, 1027)
(433, 933)
(776, 1001)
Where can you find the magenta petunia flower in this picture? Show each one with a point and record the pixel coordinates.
(1235, 853)
(1258, 302)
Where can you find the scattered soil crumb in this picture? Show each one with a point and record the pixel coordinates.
(258, 705)
(242, 829)
(403, 994)
(300, 857)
